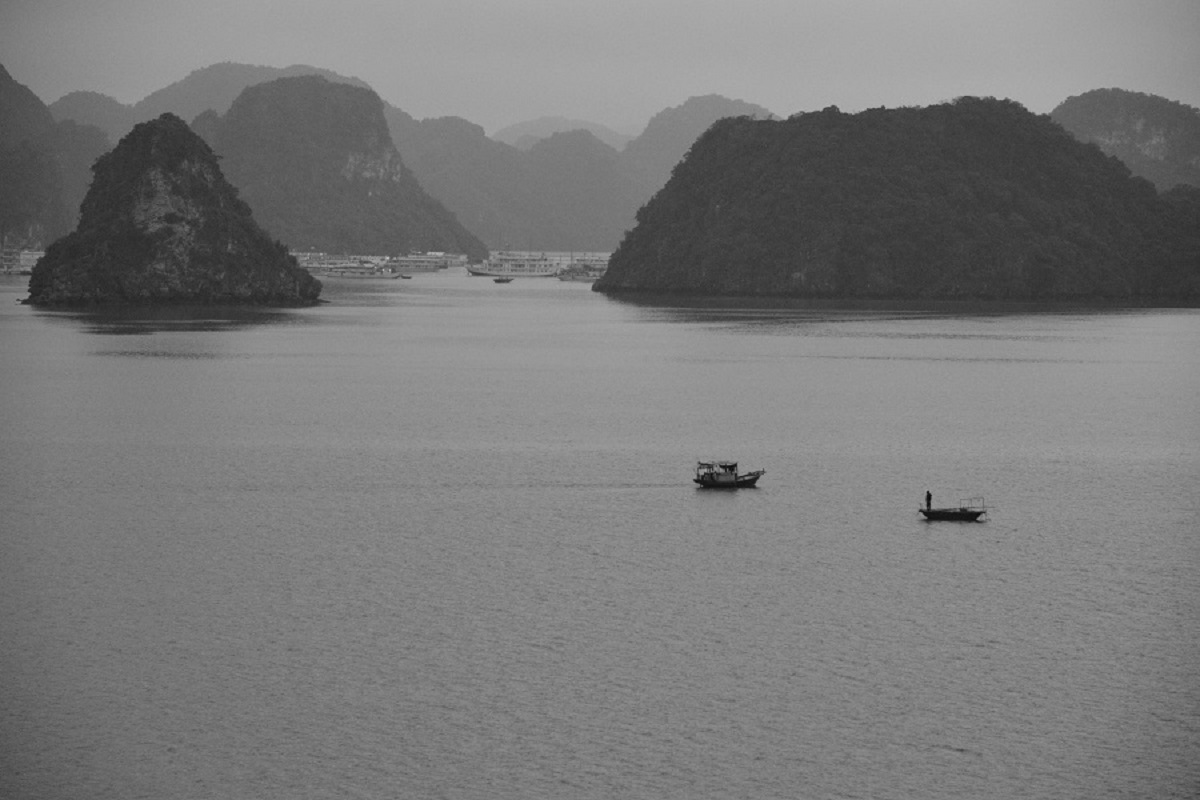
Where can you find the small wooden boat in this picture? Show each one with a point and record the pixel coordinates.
(969, 510)
(503, 280)
(724, 475)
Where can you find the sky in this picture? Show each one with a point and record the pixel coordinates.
(619, 62)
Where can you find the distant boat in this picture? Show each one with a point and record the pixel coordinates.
(969, 510)
(584, 269)
(516, 265)
(503, 280)
(358, 274)
(724, 475)
(423, 262)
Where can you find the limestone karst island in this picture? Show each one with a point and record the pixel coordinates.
(161, 225)
(976, 199)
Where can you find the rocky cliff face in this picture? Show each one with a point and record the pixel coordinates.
(160, 225)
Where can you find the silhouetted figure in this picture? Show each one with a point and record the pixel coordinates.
(928, 500)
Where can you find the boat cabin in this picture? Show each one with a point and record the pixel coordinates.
(717, 471)
(724, 474)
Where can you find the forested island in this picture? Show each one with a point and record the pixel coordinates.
(973, 199)
(161, 225)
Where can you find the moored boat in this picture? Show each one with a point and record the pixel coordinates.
(516, 265)
(432, 261)
(584, 269)
(724, 475)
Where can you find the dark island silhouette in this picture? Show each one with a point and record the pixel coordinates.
(160, 225)
(974, 199)
(1018, 223)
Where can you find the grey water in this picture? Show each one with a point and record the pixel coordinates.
(437, 538)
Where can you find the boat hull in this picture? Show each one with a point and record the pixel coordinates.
(747, 481)
(952, 514)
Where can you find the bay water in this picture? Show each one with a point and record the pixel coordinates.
(437, 538)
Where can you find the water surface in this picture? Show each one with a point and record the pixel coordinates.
(437, 538)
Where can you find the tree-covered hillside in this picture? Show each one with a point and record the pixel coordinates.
(978, 198)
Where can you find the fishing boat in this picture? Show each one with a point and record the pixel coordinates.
(969, 510)
(502, 280)
(724, 475)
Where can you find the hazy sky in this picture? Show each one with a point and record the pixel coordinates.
(618, 62)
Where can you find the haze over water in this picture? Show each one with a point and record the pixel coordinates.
(437, 538)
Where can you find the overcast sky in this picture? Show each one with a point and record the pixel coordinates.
(618, 62)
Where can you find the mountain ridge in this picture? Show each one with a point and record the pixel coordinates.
(523, 135)
(497, 191)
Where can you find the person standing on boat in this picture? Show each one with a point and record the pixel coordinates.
(928, 500)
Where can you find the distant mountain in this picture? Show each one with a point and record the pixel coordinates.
(92, 108)
(504, 194)
(583, 198)
(315, 161)
(653, 154)
(211, 88)
(524, 135)
(160, 225)
(217, 86)
(512, 198)
(45, 167)
(76, 147)
(566, 193)
(25, 117)
(973, 199)
(1158, 139)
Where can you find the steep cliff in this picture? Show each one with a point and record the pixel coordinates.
(316, 163)
(973, 199)
(160, 225)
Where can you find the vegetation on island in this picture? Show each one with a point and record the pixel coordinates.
(160, 225)
(977, 198)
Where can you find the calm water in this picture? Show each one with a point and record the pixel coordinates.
(437, 539)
